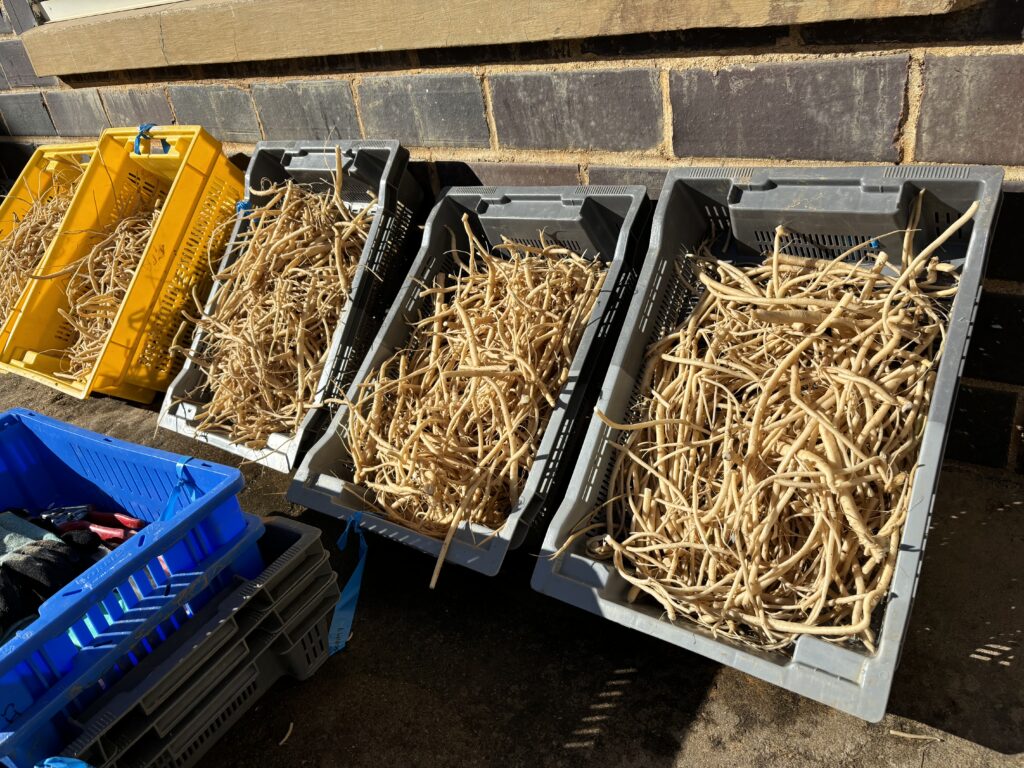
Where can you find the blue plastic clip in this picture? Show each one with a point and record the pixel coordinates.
(242, 206)
(185, 483)
(345, 610)
(63, 762)
(143, 133)
(874, 243)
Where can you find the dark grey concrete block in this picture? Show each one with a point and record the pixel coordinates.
(17, 67)
(225, 111)
(611, 110)
(77, 113)
(971, 112)
(425, 110)
(126, 108)
(306, 110)
(24, 114)
(652, 178)
(841, 109)
(20, 15)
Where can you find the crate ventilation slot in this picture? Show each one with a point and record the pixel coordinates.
(930, 172)
(713, 172)
(718, 215)
(944, 221)
(572, 245)
(815, 245)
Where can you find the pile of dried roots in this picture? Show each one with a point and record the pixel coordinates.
(266, 337)
(765, 473)
(446, 429)
(96, 288)
(23, 248)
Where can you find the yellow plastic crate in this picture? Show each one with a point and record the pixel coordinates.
(200, 188)
(35, 183)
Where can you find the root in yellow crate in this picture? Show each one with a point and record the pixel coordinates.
(22, 250)
(446, 429)
(97, 286)
(764, 475)
(268, 333)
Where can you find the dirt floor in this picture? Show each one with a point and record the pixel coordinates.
(486, 672)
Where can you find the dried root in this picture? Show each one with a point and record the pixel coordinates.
(764, 477)
(96, 288)
(25, 245)
(267, 336)
(446, 429)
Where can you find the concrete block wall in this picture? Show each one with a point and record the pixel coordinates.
(617, 110)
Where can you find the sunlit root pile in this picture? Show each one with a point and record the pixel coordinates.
(765, 472)
(446, 429)
(96, 288)
(22, 250)
(266, 338)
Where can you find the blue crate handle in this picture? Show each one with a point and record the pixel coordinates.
(345, 610)
(186, 483)
(144, 133)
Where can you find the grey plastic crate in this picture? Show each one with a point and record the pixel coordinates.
(369, 168)
(832, 208)
(172, 708)
(601, 221)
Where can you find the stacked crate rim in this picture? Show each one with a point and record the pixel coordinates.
(35, 182)
(832, 209)
(175, 705)
(102, 624)
(377, 168)
(601, 222)
(199, 187)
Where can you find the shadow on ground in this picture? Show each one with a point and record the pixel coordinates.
(480, 672)
(962, 669)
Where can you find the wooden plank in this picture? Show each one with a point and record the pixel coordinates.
(221, 31)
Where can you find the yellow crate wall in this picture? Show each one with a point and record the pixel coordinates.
(35, 183)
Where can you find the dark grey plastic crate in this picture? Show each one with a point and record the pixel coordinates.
(171, 709)
(370, 168)
(833, 208)
(605, 221)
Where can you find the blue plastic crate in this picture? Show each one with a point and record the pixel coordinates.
(103, 623)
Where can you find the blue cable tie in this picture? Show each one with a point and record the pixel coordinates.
(144, 133)
(185, 483)
(345, 608)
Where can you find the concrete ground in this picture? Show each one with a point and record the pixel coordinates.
(486, 672)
